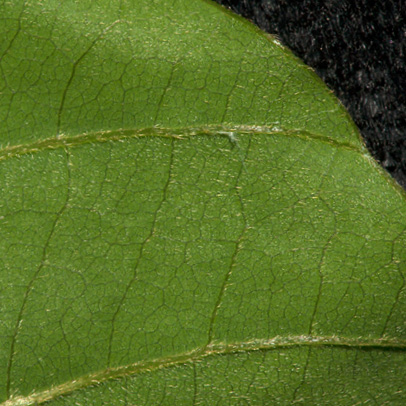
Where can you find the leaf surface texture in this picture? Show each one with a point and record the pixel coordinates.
(187, 215)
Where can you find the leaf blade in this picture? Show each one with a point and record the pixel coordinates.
(132, 244)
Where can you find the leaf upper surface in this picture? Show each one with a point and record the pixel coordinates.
(187, 215)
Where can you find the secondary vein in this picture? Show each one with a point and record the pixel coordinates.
(69, 141)
(213, 349)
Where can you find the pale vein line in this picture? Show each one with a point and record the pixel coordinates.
(395, 303)
(321, 279)
(194, 385)
(141, 251)
(41, 265)
(72, 75)
(235, 253)
(18, 30)
(13, 93)
(69, 141)
(230, 93)
(164, 92)
(398, 293)
(223, 288)
(214, 349)
(325, 248)
(304, 374)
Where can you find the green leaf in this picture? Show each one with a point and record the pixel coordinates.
(187, 216)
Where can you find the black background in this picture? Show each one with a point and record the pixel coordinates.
(358, 48)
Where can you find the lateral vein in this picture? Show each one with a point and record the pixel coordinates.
(215, 348)
(69, 141)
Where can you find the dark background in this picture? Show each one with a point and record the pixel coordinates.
(358, 48)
